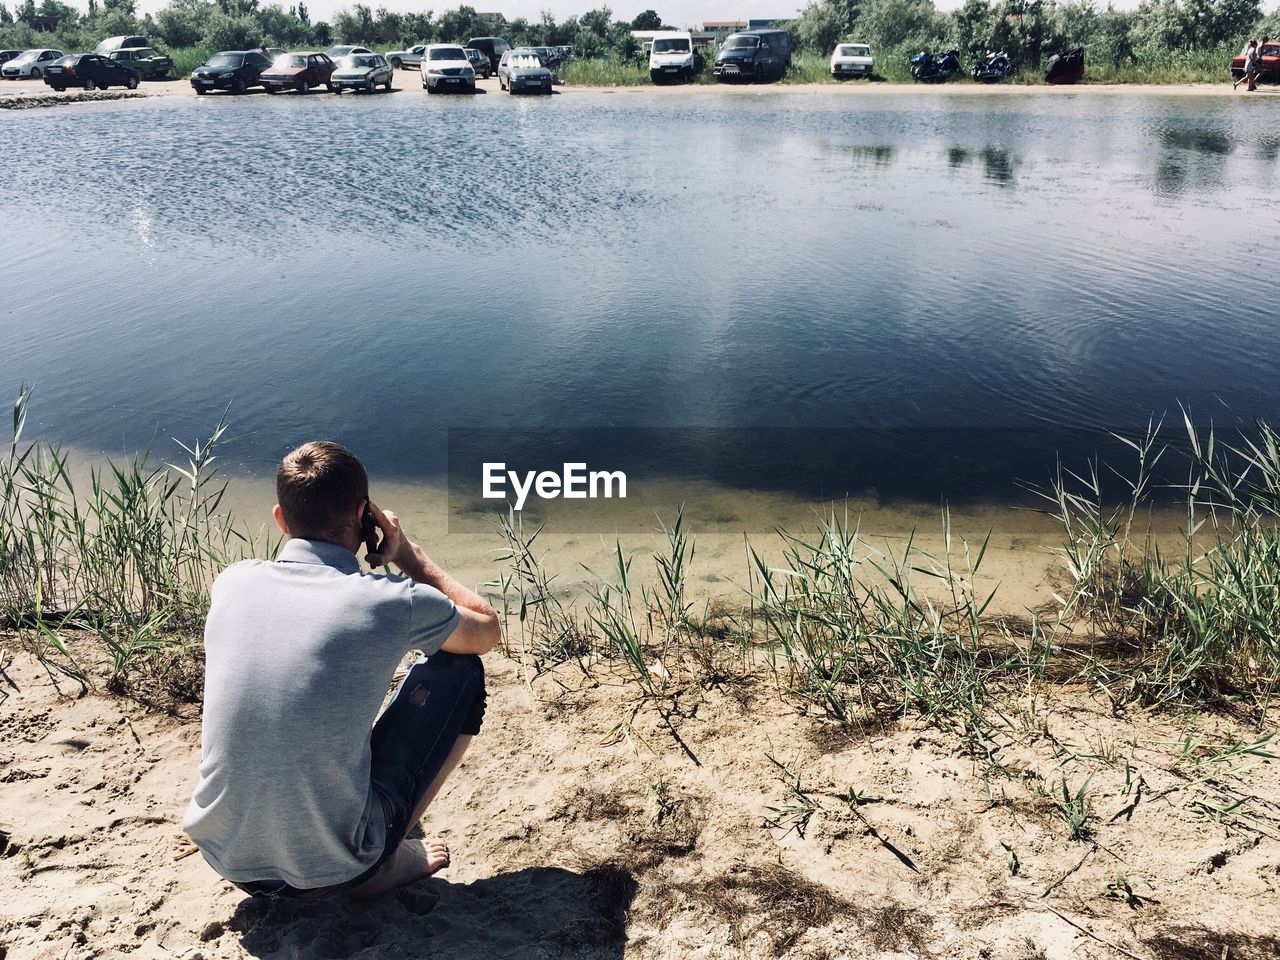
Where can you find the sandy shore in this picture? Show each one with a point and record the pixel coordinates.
(569, 842)
(16, 93)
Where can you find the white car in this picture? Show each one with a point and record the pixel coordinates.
(30, 63)
(671, 57)
(852, 60)
(445, 67)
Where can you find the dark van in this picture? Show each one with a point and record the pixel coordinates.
(754, 55)
(491, 47)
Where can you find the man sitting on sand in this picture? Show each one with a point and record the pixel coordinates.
(300, 793)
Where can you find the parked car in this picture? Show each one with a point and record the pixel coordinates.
(412, 57)
(491, 47)
(520, 69)
(152, 65)
(479, 62)
(344, 50)
(852, 60)
(362, 71)
(234, 70)
(445, 67)
(671, 57)
(30, 63)
(7, 55)
(90, 71)
(112, 44)
(1268, 63)
(299, 71)
(759, 55)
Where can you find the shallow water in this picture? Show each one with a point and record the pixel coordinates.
(1024, 273)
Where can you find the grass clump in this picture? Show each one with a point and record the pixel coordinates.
(1199, 624)
(128, 557)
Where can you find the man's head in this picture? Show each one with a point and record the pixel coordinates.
(321, 488)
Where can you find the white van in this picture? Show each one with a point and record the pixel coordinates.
(671, 57)
(851, 60)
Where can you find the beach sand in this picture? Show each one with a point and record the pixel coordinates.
(568, 841)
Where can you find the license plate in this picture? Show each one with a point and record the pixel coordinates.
(668, 69)
(55, 69)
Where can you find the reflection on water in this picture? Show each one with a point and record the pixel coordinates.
(378, 270)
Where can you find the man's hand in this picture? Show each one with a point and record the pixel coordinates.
(478, 629)
(394, 543)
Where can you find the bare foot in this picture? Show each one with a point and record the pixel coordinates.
(413, 860)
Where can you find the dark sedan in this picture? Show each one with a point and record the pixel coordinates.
(298, 71)
(234, 70)
(90, 71)
(479, 62)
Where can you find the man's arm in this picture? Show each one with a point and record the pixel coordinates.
(477, 630)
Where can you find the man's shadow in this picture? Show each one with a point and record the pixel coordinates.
(535, 912)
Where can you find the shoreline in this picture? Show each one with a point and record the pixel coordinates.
(20, 94)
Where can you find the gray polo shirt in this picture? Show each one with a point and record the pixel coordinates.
(299, 653)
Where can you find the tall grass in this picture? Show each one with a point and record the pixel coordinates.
(129, 556)
(1200, 624)
(186, 59)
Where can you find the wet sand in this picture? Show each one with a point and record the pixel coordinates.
(29, 93)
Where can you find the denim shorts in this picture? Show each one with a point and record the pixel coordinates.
(441, 698)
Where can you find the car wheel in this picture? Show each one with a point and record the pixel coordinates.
(337, 90)
(304, 86)
(240, 87)
(328, 85)
(430, 88)
(369, 86)
(396, 63)
(60, 89)
(132, 83)
(270, 88)
(90, 84)
(201, 91)
(35, 73)
(388, 84)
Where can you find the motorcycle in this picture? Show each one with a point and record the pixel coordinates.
(926, 68)
(1065, 67)
(994, 68)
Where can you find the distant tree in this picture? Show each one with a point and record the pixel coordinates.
(597, 21)
(125, 7)
(321, 34)
(302, 13)
(820, 27)
(5, 16)
(225, 32)
(647, 20)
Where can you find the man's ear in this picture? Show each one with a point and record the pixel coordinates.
(279, 515)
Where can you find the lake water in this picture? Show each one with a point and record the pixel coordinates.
(977, 281)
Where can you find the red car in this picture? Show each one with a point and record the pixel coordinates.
(1268, 65)
(298, 71)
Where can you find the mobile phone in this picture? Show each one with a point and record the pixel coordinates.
(369, 528)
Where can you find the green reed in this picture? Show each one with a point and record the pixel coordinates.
(1198, 624)
(130, 556)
